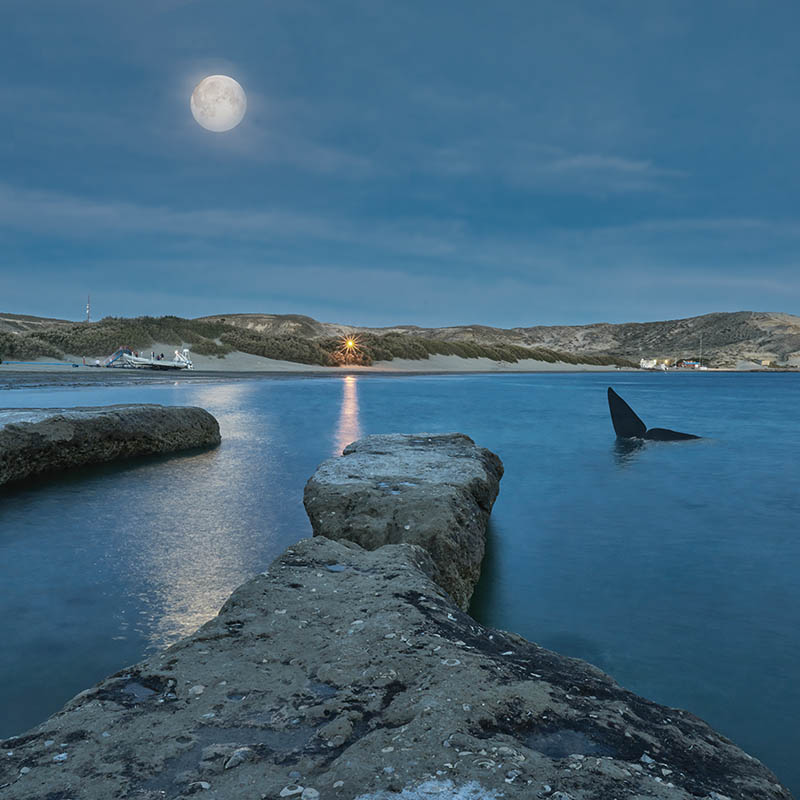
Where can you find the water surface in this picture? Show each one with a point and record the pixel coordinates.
(673, 566)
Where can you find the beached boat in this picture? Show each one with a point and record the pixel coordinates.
(128, 358)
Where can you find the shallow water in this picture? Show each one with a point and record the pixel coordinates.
(673, 566)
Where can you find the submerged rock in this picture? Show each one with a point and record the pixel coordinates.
(434, 490)
(328, 708)
(35, 441)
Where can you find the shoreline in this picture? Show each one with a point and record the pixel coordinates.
(308, 371)
(436, 365)
(244, 363)
(244, 366)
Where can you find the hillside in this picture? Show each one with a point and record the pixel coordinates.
(22, 323)
(726, 338)
(291, 338)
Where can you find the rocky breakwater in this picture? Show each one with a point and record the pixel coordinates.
(347, 673)
(35, 441)
(435, 491)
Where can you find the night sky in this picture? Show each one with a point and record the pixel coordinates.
(409, 161)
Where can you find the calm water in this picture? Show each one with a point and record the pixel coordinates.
(674, 567)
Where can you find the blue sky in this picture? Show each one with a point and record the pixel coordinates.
(511, 163)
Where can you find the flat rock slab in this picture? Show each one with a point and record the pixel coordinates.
(343, 673)
(436, 491)
(35, 441)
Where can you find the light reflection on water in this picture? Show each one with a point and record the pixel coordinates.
(199, 531)
(191, 549)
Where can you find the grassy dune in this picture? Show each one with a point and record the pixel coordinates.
(216, 338)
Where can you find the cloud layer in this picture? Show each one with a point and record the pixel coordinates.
(401, 163)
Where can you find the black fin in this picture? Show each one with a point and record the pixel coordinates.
(666, 435)
(623, 418)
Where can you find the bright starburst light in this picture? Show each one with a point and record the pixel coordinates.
(349, 348)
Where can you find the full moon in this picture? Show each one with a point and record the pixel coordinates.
(218, 103)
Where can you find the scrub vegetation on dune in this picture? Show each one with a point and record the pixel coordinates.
(104, 337)
(210, 337)
(386, 347)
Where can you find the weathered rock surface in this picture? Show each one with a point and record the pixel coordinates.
(436, 491)
(345, 673)
(34, 441)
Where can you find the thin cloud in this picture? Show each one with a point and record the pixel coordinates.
(539, 166)
(610, 164)
(417, 242)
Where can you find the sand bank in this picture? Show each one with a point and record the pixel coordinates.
(245, 362)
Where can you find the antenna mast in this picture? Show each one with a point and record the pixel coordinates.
(88, 308)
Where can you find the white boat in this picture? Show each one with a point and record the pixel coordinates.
(125, 357)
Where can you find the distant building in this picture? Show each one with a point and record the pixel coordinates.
(655, 363)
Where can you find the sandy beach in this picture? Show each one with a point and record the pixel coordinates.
(238, 362)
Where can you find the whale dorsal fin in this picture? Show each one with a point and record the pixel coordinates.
(623, 417)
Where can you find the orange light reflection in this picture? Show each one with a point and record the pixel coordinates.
(349, 427)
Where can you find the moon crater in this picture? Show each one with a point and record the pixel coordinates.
(218, 103)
